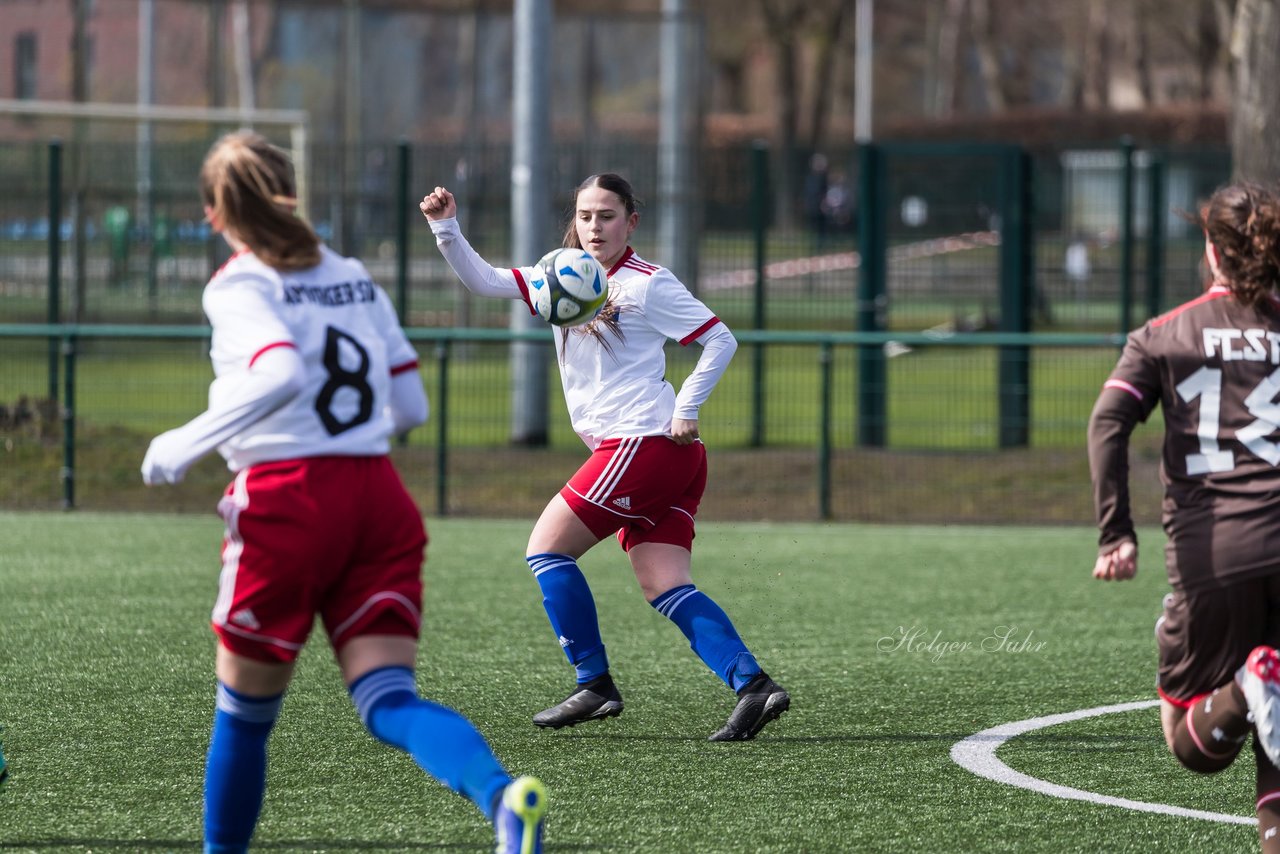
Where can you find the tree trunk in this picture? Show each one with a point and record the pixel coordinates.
(787, 113)
(1255, 113)
(1075, 34)
(988, 56)
(782, 22)
(1097, 57)
(1142, 52)
(1208, 49)
(824, 72)
(944, 93)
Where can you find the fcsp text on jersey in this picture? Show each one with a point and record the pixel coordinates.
(1251, 345)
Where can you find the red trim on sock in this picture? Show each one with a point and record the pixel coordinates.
(1267, 798)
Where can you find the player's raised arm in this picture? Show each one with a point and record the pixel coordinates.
(476, 274)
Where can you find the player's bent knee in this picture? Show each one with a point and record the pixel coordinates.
(1195, 756)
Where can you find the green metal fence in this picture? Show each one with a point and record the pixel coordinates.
(1099, 260)
(941, 459)
(934, 358)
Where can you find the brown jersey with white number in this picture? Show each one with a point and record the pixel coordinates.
(1213, 365)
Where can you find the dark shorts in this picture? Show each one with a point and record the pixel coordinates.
(1205, 635)
(645, 488)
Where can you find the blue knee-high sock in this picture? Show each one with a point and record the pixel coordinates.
(235, 775)
(711, 635)
(572, 612)
(441, 741)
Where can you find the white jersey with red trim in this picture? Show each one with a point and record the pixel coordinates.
(615, 384)
(618, 387)
(343, 326)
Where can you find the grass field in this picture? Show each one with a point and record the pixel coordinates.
(106, 696)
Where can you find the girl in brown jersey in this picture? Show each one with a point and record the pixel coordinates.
(1213, 366)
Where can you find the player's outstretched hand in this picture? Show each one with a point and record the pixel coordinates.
(1119, 564)
(163, 462)
(438, 204)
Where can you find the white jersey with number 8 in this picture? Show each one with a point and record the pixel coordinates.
(343, 326)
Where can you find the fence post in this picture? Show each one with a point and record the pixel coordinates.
(55, 258)
(69, 425)
(1126, 235)
(402, 233)
(824, 432)
(759, 229)
(1016, 272)
(1155, 235)
(442, 428)
(872, 272)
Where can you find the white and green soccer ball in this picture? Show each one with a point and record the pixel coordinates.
(569, 287)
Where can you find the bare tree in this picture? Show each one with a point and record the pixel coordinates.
(829, 21)
(1209, 51)
(782, 21)
(1075, 41)
(982, 28)
(1097, 56)
(1255, 113)
(1141, 50)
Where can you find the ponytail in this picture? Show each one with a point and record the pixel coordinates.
(249, 186)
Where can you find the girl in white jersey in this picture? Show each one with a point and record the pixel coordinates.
(648, 467)
(313, 374)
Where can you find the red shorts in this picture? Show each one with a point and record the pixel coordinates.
(646, 488)
(334, 536)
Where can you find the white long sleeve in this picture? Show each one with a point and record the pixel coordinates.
(277, 376)
(718, 347)
(476, 274)
(408, 406)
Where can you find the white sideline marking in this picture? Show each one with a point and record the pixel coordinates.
(977, 753)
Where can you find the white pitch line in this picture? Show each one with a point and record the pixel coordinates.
(977, 753)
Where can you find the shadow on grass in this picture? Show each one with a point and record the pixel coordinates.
(279, 845)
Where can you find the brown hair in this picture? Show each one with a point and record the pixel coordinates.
(620, 187)
(249, 185)
(1242, 221)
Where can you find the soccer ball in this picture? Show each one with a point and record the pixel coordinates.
(569, 287)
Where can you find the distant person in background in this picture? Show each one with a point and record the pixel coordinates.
(648, 467)
(837, 205)
(313, 374)
(1213, 367)
(812, 196)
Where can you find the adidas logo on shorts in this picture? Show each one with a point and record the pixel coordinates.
(245, 619)
(624, 503)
